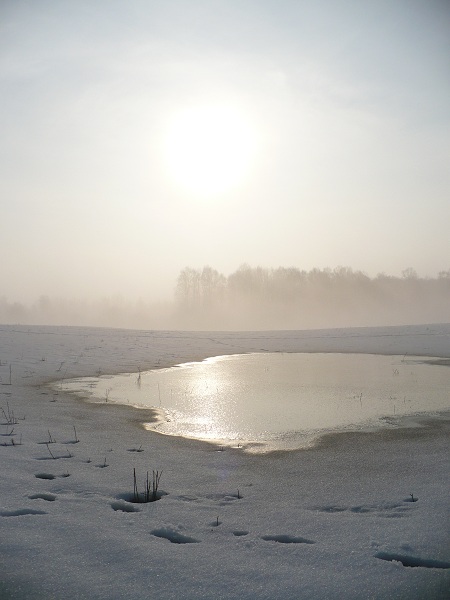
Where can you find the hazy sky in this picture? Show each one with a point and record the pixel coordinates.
(138, 137)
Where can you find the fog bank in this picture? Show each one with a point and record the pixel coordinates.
(256, 298)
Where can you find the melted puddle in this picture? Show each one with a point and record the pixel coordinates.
(277, 400)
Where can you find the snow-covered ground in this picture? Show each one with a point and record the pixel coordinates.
(334, 521)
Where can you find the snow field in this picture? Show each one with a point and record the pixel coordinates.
(334, 521)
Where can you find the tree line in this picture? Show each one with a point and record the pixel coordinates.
(257, 298)
(290, 298)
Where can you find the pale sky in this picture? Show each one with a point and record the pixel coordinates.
(138, 137)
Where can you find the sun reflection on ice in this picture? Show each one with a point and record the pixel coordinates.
(278, 400)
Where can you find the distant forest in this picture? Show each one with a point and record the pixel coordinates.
(290, 298)
(257, 298)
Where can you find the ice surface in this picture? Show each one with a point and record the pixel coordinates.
(277, 401)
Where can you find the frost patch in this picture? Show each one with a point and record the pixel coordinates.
(124, 506)
(330, 508)
(411, 498)
(286, 539)
(21, 512)
(44, 496)
(224, 499)
(45, 476)
(413, 561)
(175, 537)
(50, 475)
(388, 510)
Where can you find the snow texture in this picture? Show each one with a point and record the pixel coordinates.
(361, 515)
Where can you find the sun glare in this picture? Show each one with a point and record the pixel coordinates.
(209, 149)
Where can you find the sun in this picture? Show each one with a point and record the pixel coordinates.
(209, 149)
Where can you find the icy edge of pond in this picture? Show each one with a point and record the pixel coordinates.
(306, 441)
(160, 417)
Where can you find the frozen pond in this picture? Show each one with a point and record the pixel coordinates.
(278, 400)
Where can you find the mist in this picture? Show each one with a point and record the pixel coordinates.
(256, 298)
(141, 138)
